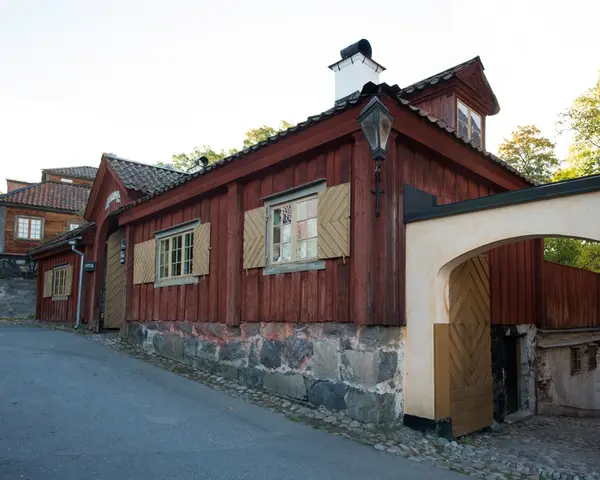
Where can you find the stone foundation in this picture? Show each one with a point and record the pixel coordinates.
(17, 266)
(358, 370)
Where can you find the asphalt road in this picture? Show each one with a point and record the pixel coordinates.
(71, 408)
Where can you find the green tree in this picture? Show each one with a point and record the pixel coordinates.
(562, 250)
(186, 161)
(589, 257)
(583, 121)
(257, 135)
(530, 153)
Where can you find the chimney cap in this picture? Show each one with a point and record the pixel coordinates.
(362, 46)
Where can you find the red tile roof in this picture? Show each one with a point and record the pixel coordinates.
(60, 196)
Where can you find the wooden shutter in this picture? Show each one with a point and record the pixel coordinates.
(201, 262)
(254, 238)
(48, 283)
(144, 266)
(333, 232)
(68, 280)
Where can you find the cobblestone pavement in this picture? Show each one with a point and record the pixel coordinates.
(540, 448)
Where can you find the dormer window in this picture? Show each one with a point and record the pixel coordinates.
(469, 124)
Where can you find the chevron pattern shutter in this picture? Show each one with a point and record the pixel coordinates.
(144, 262)
(48, 284)
(333, 233)
(201, 262)
(68, 280)
(254, 238)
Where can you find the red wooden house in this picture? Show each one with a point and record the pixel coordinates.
(31, 213)
(271, 266)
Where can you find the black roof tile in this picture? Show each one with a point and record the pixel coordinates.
(140, 177)
(88, 173)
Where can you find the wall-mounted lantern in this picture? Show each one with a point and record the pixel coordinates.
(376, 124)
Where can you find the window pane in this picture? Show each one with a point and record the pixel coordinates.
(23, 228)
(286, 233)
(286, 214)
(301, 229)
(276, 253)
(277, 216)
(312, 227)
(36, 229)
(301, 211)
(276, 235)
(311, 211)
(476, 128)
(463, 120)
(312, 248)
(301, 248)
(286, 252)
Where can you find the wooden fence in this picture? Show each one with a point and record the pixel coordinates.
(571, 297)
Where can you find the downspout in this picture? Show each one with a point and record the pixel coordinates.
(80, 286)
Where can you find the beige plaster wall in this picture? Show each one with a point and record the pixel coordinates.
(435, 247)
(558, 388)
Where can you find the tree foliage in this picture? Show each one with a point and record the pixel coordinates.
(257, 135)
(186, 161)
(530, 153)
(583, 121)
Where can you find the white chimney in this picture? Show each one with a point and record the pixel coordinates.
(355, 69)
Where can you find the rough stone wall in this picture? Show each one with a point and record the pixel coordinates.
(342, 367)
(17, 298)
(17, 266)
(526, 344)
(559, 391)
(527, 367)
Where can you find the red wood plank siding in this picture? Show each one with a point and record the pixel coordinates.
(513, 267)
(204, 301)
(58, 310)
(442, 107)
(572, 297)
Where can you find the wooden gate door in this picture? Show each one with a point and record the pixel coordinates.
(114, 306)
(470, 347)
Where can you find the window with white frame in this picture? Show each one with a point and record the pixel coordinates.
(293, 231)
(175, 255)
(59, 282)
(469, 124)
(28, 228)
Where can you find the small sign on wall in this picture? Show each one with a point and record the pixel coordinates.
(89, 266)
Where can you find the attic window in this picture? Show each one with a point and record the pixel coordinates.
(66, 180)
(469, 124)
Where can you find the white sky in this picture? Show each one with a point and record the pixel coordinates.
(148, 78)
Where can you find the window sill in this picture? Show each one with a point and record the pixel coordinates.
(172, 282)
(294, 267)
(60, 299)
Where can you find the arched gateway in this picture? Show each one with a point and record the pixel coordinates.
(447, 307)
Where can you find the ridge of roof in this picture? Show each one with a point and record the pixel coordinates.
(83, 172)
(55, 195)
(142, 177)
(62, 238)
(444, 75)
(116, 157)
(368, 90)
